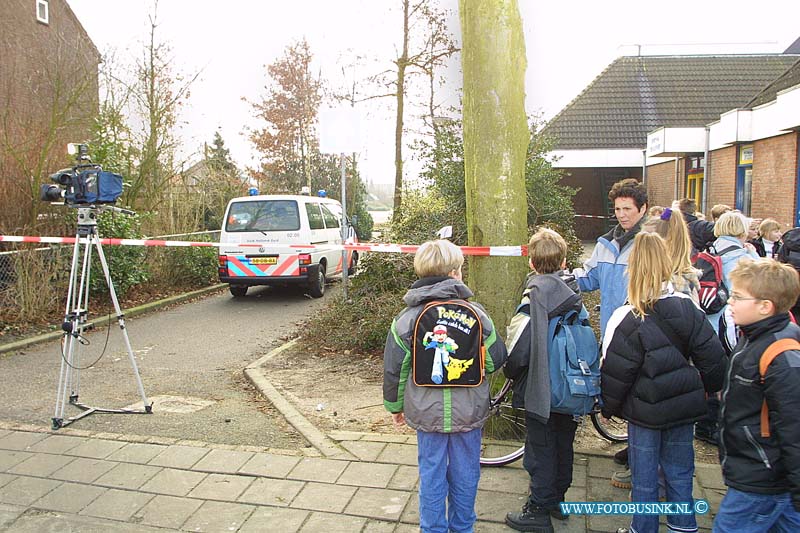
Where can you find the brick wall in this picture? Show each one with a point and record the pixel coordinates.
(46, 71)
(661, 183)
(721, 181)
(775, 178)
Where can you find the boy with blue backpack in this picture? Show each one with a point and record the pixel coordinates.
(554, 384)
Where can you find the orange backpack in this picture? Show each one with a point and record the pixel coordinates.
(772, 351)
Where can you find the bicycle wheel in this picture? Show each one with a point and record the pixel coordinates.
(615, 429)
(503, 440)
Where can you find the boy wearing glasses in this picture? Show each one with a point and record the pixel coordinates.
(760, 455)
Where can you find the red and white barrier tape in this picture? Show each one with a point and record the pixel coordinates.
(592, 216)
(507, 251)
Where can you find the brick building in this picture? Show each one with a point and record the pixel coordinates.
(752, 153)
(48, 97)
(601, 136)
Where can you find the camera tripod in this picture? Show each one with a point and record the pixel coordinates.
(75, 320)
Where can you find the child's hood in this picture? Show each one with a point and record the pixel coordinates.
(427, 289)
(557, 292)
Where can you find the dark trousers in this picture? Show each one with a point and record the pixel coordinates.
(548, 458)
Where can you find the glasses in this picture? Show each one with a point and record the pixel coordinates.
(737, 298)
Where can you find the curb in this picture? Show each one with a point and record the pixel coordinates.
(105, 320)
(326, 446)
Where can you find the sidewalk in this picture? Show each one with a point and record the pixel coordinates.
(70, 482)
(74, 480)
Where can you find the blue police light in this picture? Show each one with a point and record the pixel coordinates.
(322, 193)
(252, 191)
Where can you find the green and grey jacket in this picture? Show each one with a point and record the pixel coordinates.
(436, 409)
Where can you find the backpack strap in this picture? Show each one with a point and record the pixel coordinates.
(723, 252)
(772, 351)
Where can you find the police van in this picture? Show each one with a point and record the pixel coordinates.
(280, 223)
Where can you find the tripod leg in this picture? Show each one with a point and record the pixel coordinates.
(66, 349)
(121, 320)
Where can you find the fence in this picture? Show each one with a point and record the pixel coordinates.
(33, 281)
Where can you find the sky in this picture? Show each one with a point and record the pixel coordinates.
(568, 44)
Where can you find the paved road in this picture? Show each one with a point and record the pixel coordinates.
(194, 352)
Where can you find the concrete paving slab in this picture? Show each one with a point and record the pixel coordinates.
(363, 450)
(269, 465)
(38, 522)
(219, 517)
(177, 456)
(710, 476)
(511, 480)
(136, 453)
(406, 478)
(278, 492)
(117, 504)
(383, 437)
(83, 470)
(579, 475)
(323, 497)
(382, 504)
(221, 487)
(6, 478)
(57, 444)
(10, 458)
(403, 454)
(223, 461)
(602, 467)
(20, 440)
(331, 523)
(4, 432)
(411, 512)
(408, 528)
(174, 482)
(128, 476)
(379, 526)
(318, 469)
(368, 475)
(26, 490)
(96, 448)
(9, 513)
(493, 506)
(274, 519)
(168, 511)
(69, 498)
(41, 465)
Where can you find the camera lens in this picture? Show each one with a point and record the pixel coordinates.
(50, 193)
(62, 177)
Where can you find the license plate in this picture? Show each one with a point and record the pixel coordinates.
(263, 260)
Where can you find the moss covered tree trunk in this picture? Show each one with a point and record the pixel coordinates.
(496, 138)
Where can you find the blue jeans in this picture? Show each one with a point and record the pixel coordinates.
(672, 449)
(449, 469)
(748, 512)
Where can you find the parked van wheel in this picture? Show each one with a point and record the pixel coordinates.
(238, 291)
(316, 287)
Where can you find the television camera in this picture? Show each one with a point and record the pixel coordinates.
(84, 184)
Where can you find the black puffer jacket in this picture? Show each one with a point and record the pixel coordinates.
(750, 462)
(701, 232)
(646, 379)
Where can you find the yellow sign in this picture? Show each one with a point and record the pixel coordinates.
(746, 154)
(263, 260)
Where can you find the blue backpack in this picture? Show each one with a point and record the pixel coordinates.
(574, 364)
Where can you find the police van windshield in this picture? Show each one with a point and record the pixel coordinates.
(263, 215)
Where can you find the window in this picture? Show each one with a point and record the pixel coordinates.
(694, 179)
(330, 219)
(264, 215)
(314, 216)
(43, 11)
(744, 179)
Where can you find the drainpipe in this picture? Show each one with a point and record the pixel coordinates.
(644, 167)
(677, 178)
(706, 172)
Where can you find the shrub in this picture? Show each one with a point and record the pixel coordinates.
(125, 263)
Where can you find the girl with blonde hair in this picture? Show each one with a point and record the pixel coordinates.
(661, 357)
(671, 226)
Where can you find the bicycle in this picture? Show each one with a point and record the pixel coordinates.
(503, 439)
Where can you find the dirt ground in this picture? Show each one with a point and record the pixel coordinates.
(343, 392)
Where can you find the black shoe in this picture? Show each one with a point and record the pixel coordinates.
(532, 518)
(705, 436)
(621, 457)
(557, 514)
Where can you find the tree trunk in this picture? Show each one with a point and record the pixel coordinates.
(496, 138)
(402, 62)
